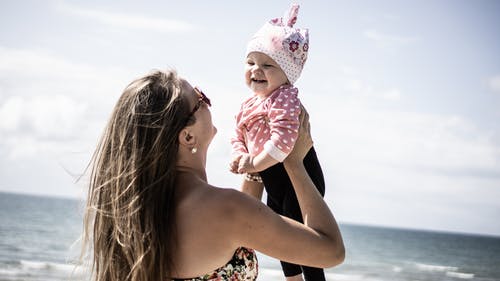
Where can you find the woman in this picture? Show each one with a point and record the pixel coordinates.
(151, 215)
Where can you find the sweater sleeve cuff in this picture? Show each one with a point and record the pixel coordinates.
(275, 152)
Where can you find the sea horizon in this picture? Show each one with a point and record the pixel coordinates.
(343, 222)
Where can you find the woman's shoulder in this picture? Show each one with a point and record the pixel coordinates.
(221, 208)
(236, 207)
(228, 199)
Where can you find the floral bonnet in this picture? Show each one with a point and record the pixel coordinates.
(286, 45)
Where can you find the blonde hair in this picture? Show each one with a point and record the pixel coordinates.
(129, 222)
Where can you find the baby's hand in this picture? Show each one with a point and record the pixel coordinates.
(233, 166)
(245, 165)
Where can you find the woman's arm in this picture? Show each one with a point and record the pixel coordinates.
(315, 211)
(317, 242)
(253, 188)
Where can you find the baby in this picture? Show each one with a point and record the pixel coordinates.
(267, 123)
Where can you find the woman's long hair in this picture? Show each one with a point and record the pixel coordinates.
(129, 222)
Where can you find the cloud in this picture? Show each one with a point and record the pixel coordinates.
(384, 40)
(355, 84)
(41, 116)
(494, 83)
(28, 72)
(362, 88)
(392, 94)
(51, 104)
(385, 166)
(367, 127)
(413, 141)
(127, 21)
(41, 123)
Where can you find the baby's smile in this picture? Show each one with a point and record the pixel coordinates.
(258, 80)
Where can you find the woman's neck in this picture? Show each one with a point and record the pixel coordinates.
(198, 173)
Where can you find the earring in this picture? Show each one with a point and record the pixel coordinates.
(194, 150)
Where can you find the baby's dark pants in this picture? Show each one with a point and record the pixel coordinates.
(282, 199)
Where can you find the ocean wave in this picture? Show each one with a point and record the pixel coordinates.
(346, 277)
(460, 275)
(271, 274)
(433, 267)
(397, 269)
(8, 272)
(63, 268)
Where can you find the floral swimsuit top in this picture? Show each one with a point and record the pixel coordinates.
(242, 266)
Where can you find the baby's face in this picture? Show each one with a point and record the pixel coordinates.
(262, 74)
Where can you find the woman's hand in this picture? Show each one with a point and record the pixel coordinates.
(304, 141)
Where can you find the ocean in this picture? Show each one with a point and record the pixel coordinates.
(38, 241)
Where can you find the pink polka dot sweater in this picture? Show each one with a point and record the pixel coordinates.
(268, 124)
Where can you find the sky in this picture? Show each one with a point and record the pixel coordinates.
(403, 96)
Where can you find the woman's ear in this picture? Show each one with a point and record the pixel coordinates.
(186, 138)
